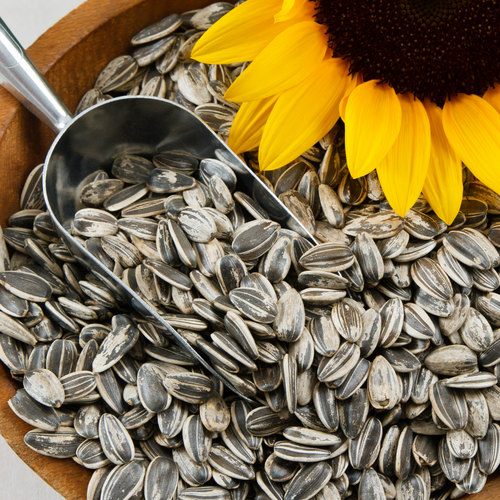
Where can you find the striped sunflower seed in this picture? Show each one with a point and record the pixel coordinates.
(364, 449)
(309, 481)
(32, 412)
(128, 477)
(190, 387)
(223, 460)
(116, 442)
(161, 479)
(450, 405)
(62, 443)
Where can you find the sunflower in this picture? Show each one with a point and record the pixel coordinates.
(415, 81)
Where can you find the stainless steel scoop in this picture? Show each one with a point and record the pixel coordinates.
(93, 139)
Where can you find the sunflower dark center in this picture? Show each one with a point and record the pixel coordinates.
(432, 48)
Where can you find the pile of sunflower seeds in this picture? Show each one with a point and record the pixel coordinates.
(160, 66)
(370, 361)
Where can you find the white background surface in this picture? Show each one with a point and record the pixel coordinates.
(27, 19)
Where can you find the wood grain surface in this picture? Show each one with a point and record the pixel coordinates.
(71, 54)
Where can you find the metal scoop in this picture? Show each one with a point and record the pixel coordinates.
(93, 139)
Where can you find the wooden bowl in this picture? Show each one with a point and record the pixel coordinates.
(70, 55)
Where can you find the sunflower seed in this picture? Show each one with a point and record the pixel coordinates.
(308, 481)
(364, 449)
(91, 454)
(254, 304)
(160, 482)
(13, 355)
(15, 238)
(224, 461)
(326, 406)
(289, 370)
(454, 322)
(221, 195)
(110, 391)
(210, 492)
(417, 322)
(339, 365)
(392, 319)
(325, 336)
(461, 444)
(190, 387)
(26, 285)
(466, 250)
(152, 394)
(415, 249)
(300, 453)
(125, 197)
(410, 488)
(95, 193)
(371, 486)
(215, 414)
(329, 257)
(116, 344)
(117, 72)
(15, 329)
(420, 225)
(378, 226)
(402, 360)
(197, 224)
(353, 413)
(77, 385)
(476, 332)
(253, 239)
(279, 470)
(382, 384)
(290, 318)
(31, 195)
(347, 321)
(60, 444)
(169, 59)
(197, 440)
(124, 481)
(264, 422)
(299, 206)
(450, 405)
(115, 440)
(455, 469)
(92, 222)
(32, 412)
(451, 360)
(388, 449)
(215, 115)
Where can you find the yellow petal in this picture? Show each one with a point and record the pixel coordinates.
(289, 59)
(356, 80)
(402, 172)
(247, 128)
(473, 128)
(443, 186)
(372, 122)
(492, 96)
(289, 10)
(303, 114)
(244, 32)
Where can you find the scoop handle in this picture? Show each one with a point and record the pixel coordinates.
(22, 79)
